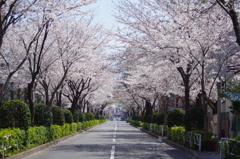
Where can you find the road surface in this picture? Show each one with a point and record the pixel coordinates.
(111, 140)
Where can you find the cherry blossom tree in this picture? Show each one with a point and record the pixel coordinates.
(77, 44)
(36, 43)
(184, 33)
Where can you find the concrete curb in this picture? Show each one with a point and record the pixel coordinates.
(31, 151)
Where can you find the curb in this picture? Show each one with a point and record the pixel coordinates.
(31, 151)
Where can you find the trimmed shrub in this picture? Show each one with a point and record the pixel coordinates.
(15, 140)
(68, 116)
(158, 118)
(177, 134)
(58, 115)
(11, 138)
(100, 117)
(79, 116)
(73, 127)
(55, 132)
(90, 116)
(15, 113)
(76, 116)
(82, 117)
(194, 119)
(66, 129)
(37, 135)
(43, 115)
(175, 117)
(136, 123)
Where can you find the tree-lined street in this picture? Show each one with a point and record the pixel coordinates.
(111, 140)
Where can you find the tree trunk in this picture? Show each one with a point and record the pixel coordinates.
(185, 78)
(148, 115)
(31, 101)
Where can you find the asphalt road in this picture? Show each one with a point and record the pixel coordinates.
(111, 140)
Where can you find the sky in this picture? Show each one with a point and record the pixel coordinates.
(103, 13)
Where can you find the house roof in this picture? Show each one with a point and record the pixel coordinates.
(233, 96)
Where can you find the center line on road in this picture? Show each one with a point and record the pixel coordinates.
(112, 152)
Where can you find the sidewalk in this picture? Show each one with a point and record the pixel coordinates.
(196, 154)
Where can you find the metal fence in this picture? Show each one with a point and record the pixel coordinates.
(189, 137)
(229, 148)
(6, 145)
(193, 139)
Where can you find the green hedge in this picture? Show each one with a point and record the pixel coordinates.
(58, 115)
(15, 113)
(175, 117)
(19, 140)
(177, 134)
(68, 116)
(43, 115)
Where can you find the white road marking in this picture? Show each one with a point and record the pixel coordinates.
(112, 152)
(114, 140)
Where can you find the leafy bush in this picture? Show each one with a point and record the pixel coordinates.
(100, 117)
(12, 140)
(80, 126)
(194, 119)
(76, 116)
(55, 132)
(177, 134)
(146, 126)
(73, 127)
(43, 115)
(66, 130)
(58, 115)
(37, 135)
(158, 118)
(79, 116)
(136, 123)
(82, 117)
(89, 116)
(16, 140)
(15, 113)
(68, 116)
(175, 117)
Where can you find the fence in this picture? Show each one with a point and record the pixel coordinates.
(185, 137)
(7, 145)
(229, 148)
(157, 129)
(189, 137)
(193, 138)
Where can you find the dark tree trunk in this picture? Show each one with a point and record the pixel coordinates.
(148, 115)
(31, 101)
(186, 81)
(230, 10)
